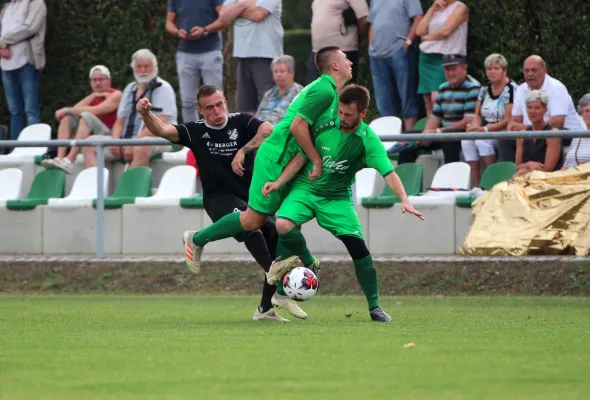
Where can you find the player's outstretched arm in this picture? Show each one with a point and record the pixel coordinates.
(262, 133)
(396, 186)
(154, 124)
(288, 173)
(300, 130)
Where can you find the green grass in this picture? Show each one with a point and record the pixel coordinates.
(188, 347)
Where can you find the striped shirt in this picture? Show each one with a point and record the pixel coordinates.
(453, 104)
(579, 152)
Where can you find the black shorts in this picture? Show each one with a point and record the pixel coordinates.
(218, 206)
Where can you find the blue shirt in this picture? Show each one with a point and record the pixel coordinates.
(273, 106)
(391, 21)
(453, 104)
(196, 13)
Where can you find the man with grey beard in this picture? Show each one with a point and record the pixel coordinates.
(129, 124)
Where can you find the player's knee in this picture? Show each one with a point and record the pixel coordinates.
(251, 220)
(357, 248)
(284, 226)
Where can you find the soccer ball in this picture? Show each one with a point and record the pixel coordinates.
(300, 284)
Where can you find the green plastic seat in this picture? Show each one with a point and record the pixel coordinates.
(48, 184)
(192, 202)
(411, 175)
(494, 174)
(420, 124)
(135, 182)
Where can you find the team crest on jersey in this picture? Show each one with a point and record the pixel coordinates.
(233, 134)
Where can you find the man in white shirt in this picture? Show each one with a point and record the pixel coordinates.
(561, 113)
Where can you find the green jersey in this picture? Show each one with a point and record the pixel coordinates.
(318, 100)
(343, 155)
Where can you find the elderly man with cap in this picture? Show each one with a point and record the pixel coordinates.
(453, 109)
(93, 115)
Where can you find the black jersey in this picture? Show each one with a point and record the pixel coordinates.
(215, 148)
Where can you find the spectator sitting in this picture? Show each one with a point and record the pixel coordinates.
(561, 113)
(258, 39)
(276, 100)
(22, 56)
(579, 152)
(538, 154)
(454, 108)
(95, 114)
(494, 104)
(129, 123)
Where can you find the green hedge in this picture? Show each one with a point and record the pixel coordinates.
(84, 33)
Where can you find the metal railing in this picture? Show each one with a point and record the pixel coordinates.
(404, 137)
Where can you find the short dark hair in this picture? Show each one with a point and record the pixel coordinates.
(323, 58)
(206, 91)
(355, 94)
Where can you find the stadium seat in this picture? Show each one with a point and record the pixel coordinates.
(178, 182)
(49, 183)
(492, 175)
(25, 219)
(365, 184)
(84, 189)
(135, 182)
(27, 154)
(192, 202)
(386, 126)
(450, 180)
(410, 174)
(421, 124)
(176, 157)
(11, 180)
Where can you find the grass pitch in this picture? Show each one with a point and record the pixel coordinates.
(173, 347)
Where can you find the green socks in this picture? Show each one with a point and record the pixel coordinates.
(293, 243)
(280, 288)
(367, 278)
(226, 227)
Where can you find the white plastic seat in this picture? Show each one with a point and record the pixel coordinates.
(11, 180)
(27, 154)
(386, 126)
(365, 182)
(176, 157)
(177, 182)
(455, 175)
(84, 189)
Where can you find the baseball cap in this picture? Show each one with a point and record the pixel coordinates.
(453, 59)
(102, 69)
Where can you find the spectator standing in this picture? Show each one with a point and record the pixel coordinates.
(393, 54)
(341, 23)
(22, 56)
(275, 102)
(443, 31)
(199, 59)
(258, 39)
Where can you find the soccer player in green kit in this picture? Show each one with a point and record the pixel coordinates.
(317, 101)
(345, 149)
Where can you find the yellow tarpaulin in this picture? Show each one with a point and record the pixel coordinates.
(538, 213)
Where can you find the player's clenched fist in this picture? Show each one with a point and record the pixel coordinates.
(143, 106)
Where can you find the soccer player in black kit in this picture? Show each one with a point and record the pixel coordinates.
(224, 146)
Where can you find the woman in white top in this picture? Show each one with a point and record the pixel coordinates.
(579, 152)
(443, 31)
(494, 103)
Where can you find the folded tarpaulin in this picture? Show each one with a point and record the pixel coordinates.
(538, 213)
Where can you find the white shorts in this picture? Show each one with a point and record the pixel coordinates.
(473, 149)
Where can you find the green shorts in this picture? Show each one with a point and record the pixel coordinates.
(265, 170)
(431, 73)
(336, 216)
